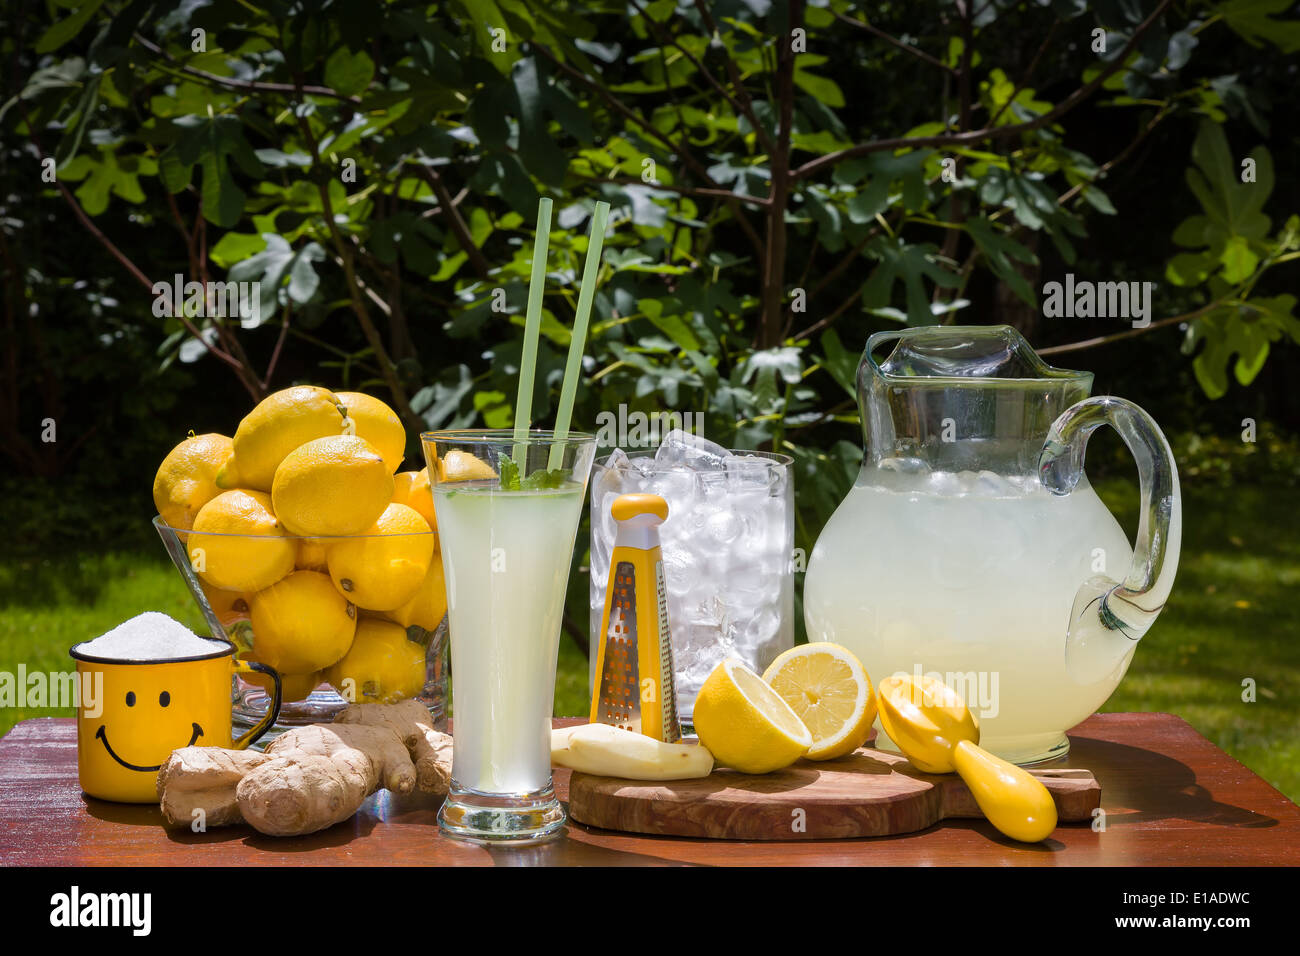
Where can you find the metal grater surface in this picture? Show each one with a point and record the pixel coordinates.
(620, 683)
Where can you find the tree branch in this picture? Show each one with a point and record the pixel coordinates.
(695, 191)
(746, 102)
(251, 86)
(1128, 333)
(679, 149)
(1029, 72)
(815, 166)
(894, 41)
(770, 322)
(455, 220)
(386, 367)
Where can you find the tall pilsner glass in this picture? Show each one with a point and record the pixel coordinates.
(507, 512)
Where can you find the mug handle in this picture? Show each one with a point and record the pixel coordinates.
(255, 732)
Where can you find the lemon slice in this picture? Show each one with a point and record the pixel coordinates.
(745, 724)
(459, 465)
(830, 691)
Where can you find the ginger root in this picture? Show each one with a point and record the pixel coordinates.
(410, 720)
(204, 778)
(310, 777)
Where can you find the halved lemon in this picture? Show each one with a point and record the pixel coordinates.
(745, 724)
(830, 691)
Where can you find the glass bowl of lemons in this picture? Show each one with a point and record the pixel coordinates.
(304, 544)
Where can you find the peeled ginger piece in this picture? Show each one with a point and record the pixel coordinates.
(612, 752)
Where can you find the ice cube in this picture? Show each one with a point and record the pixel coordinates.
(748, 473)
(724, 527)
(758, 630)
(675, 484)
(683, 448)
(617, 460)
(642, 467)
(989, 484)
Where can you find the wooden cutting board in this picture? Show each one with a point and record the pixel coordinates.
(868, 793)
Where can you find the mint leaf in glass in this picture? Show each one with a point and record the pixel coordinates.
(553, 478)
(509, 471)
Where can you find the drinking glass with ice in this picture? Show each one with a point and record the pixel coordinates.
(727, 547)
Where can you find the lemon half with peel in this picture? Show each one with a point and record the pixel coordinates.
(830, 691)
(745, 724)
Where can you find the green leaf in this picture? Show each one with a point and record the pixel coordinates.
(1189, 268)
(911, 265)
(438, 404)
(1239, 260)
(1252, 350)
(485, 16)
(107, 175)
(507, 467)
(1191, 232)
(537, 148)
(819, 87)
(839, 362)
(671, 325)
(270, 268)
(234, 247)
(544, 478)
(303, 280)
(497, 412)
(1253, 21)
(349, 73)
(1002, 253)
(1099, 201)
(212, 142)
(63, 31)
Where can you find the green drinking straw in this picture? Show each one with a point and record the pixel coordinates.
(578, 344)
(532, 327)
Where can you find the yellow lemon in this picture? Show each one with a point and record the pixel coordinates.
(228, 477)
(293, 687)
(186, 479)
(229, 606)
(428, 605)
(382, 665)
(378, 424)
(381, 568)
(830, 691)
(311, 555)
(301, 624)
(279, 424)
(237, 544)
(337, 485)
(412, 488)
(459, 465)
(745, 724)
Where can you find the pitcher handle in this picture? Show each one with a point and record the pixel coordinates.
(1109, 617)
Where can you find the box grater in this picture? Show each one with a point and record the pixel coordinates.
(634, 663)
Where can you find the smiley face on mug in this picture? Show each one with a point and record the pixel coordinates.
(144, 712)
(152, 708)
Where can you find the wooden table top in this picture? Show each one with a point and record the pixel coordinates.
(1170, 796)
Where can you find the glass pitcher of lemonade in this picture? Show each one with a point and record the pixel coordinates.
(972, 546)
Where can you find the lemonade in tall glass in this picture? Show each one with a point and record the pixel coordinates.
(508, 512)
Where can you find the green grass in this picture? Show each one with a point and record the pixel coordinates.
(1231, 617)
